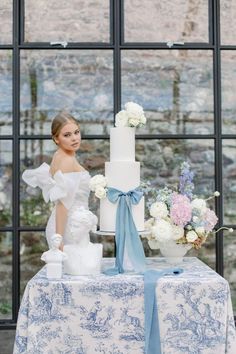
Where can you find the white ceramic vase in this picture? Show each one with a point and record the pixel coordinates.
(174, 252)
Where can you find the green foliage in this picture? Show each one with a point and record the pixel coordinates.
(5, 308)
(6, 217)
(37, 248)
(35, 211)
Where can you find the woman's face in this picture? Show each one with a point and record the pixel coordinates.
(69, 137)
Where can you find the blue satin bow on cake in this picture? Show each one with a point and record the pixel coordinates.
(126, 232)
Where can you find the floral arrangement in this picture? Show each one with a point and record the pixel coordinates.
(131, 116)
(179, 215)
(98, 185)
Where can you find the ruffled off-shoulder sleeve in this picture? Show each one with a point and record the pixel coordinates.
(53, 188)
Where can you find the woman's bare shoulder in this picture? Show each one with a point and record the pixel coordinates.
(61, 162)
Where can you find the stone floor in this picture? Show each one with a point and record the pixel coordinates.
(7, 338)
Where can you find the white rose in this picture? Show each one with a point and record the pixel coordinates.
(135, 114)
(100, 192)
(178, 232)
(162, 231)
(134, 121)
(199, 204)
(154, 244)
(133, 109)
(97, 181)
(158, 209)
(121, 119)
(191, 236)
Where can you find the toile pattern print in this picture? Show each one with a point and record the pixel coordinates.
(105, 314)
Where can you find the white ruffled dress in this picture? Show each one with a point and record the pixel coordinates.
(71, 188)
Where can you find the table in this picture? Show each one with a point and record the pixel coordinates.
(102, 314)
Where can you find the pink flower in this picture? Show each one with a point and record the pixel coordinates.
(210, 220)
(180, 210)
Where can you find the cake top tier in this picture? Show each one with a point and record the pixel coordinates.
(122, 144)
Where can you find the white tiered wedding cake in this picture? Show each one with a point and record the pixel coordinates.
(122, 172)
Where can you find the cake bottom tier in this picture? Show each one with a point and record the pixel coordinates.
(108, 215)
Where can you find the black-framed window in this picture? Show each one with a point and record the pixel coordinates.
(90, 58)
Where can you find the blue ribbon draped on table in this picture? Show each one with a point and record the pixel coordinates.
(127, 236)
(152, 330)
(126, 232)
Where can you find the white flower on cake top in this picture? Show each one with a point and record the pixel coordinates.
(131, 116)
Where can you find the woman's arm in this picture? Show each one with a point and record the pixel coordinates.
(61, 219)
(63, 163)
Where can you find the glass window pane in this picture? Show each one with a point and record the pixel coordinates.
(71, 21)
(174, 87)
(6, 22)
(228, 84)
(92, 155)
(5, 275)
(228, 21)
(80, 82)
(7, 338)
(160, 164)
(229, 180)
(230, 263)
(5, 92)
(32, 245)
(33, 210)
(162, 21)
(5, 183)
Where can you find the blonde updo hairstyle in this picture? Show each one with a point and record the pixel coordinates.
(59, 121)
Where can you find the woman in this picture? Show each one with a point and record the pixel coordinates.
(65, 182)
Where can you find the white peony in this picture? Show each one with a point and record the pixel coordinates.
(97, 181)
(100, 192)
(158, 209)
(132, 116)
(199, 204)
(135, 114)
(162, 231)
(178, 232)
(191, 236)
(121, 119)
(133, 109)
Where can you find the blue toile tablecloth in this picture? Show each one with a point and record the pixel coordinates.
(101, 314)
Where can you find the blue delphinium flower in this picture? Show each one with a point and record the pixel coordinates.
(186, 185)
